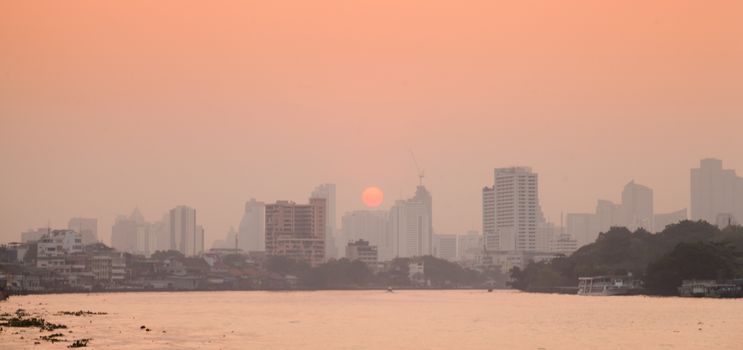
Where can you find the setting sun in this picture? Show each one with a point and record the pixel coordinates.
(372, 197)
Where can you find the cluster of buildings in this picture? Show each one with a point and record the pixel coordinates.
(514, 228)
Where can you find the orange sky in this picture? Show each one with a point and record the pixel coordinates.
(105, 106)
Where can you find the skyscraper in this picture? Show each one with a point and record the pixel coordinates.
(86, 227)
(252, 231)
(327, 191)
(127, 230)
(637, 206)
(492, 242)
(297, 231)
(184, 236)
(411, 225)
(516, 204)
(715, 191)
(660, 221)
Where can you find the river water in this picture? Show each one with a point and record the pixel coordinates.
(380, 320)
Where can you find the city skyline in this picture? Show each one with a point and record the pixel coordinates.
(97, 120)
(589, 227)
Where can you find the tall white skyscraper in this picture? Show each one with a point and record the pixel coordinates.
(516, 209)
(715, 191)
(252, 230)
(327, 192)
(86, 227)
(184, 236)
(371, 226)
(411, 225)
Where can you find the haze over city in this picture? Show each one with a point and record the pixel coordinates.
(133, 104)
(407, 174)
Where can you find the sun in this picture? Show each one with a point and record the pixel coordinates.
(372, 197)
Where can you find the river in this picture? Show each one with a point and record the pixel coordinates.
(379, 320)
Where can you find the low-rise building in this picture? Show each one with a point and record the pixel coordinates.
(361, 250)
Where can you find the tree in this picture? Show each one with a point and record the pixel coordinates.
(700, 260)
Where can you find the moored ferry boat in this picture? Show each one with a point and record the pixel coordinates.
(609, 285)
(711, 289)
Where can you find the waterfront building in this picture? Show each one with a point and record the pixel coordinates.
(297, 231)
(55, 245)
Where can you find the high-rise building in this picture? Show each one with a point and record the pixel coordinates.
(184, 236)
(517, 211)
(715, 191)
(125, 231)
(445, 246)
(492, 241)
(411, 225)
(583, 227)
(252, 231)
(609, 214)
(660, 221)
(470, 246)
(87, 227)
(370, 226)
(297, 231)
(327, 192)
(637, 206)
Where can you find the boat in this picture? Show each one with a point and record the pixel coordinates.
(711, 289)
(609, 285)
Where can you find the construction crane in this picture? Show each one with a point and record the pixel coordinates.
(421, 172)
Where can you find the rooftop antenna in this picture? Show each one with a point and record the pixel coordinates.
(421, 172)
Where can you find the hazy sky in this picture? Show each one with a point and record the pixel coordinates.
(108, 105)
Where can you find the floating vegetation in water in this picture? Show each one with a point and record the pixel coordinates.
(79, 343)
(21, 313)
(32, 322)
(53, 338)
(79, 313)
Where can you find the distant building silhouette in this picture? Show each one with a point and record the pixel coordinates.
(634, 212)
(411, 225)
(715, 191)
(297, 231)
(445, 246)
(637, 206)
(185, 236)
(371, 226)
(469, 246)
(327, 191)
(251, 235)
(665, 219)
(87, 227)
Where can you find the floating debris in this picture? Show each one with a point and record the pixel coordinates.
(52, 338)
(79, 313)
(79, 343)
